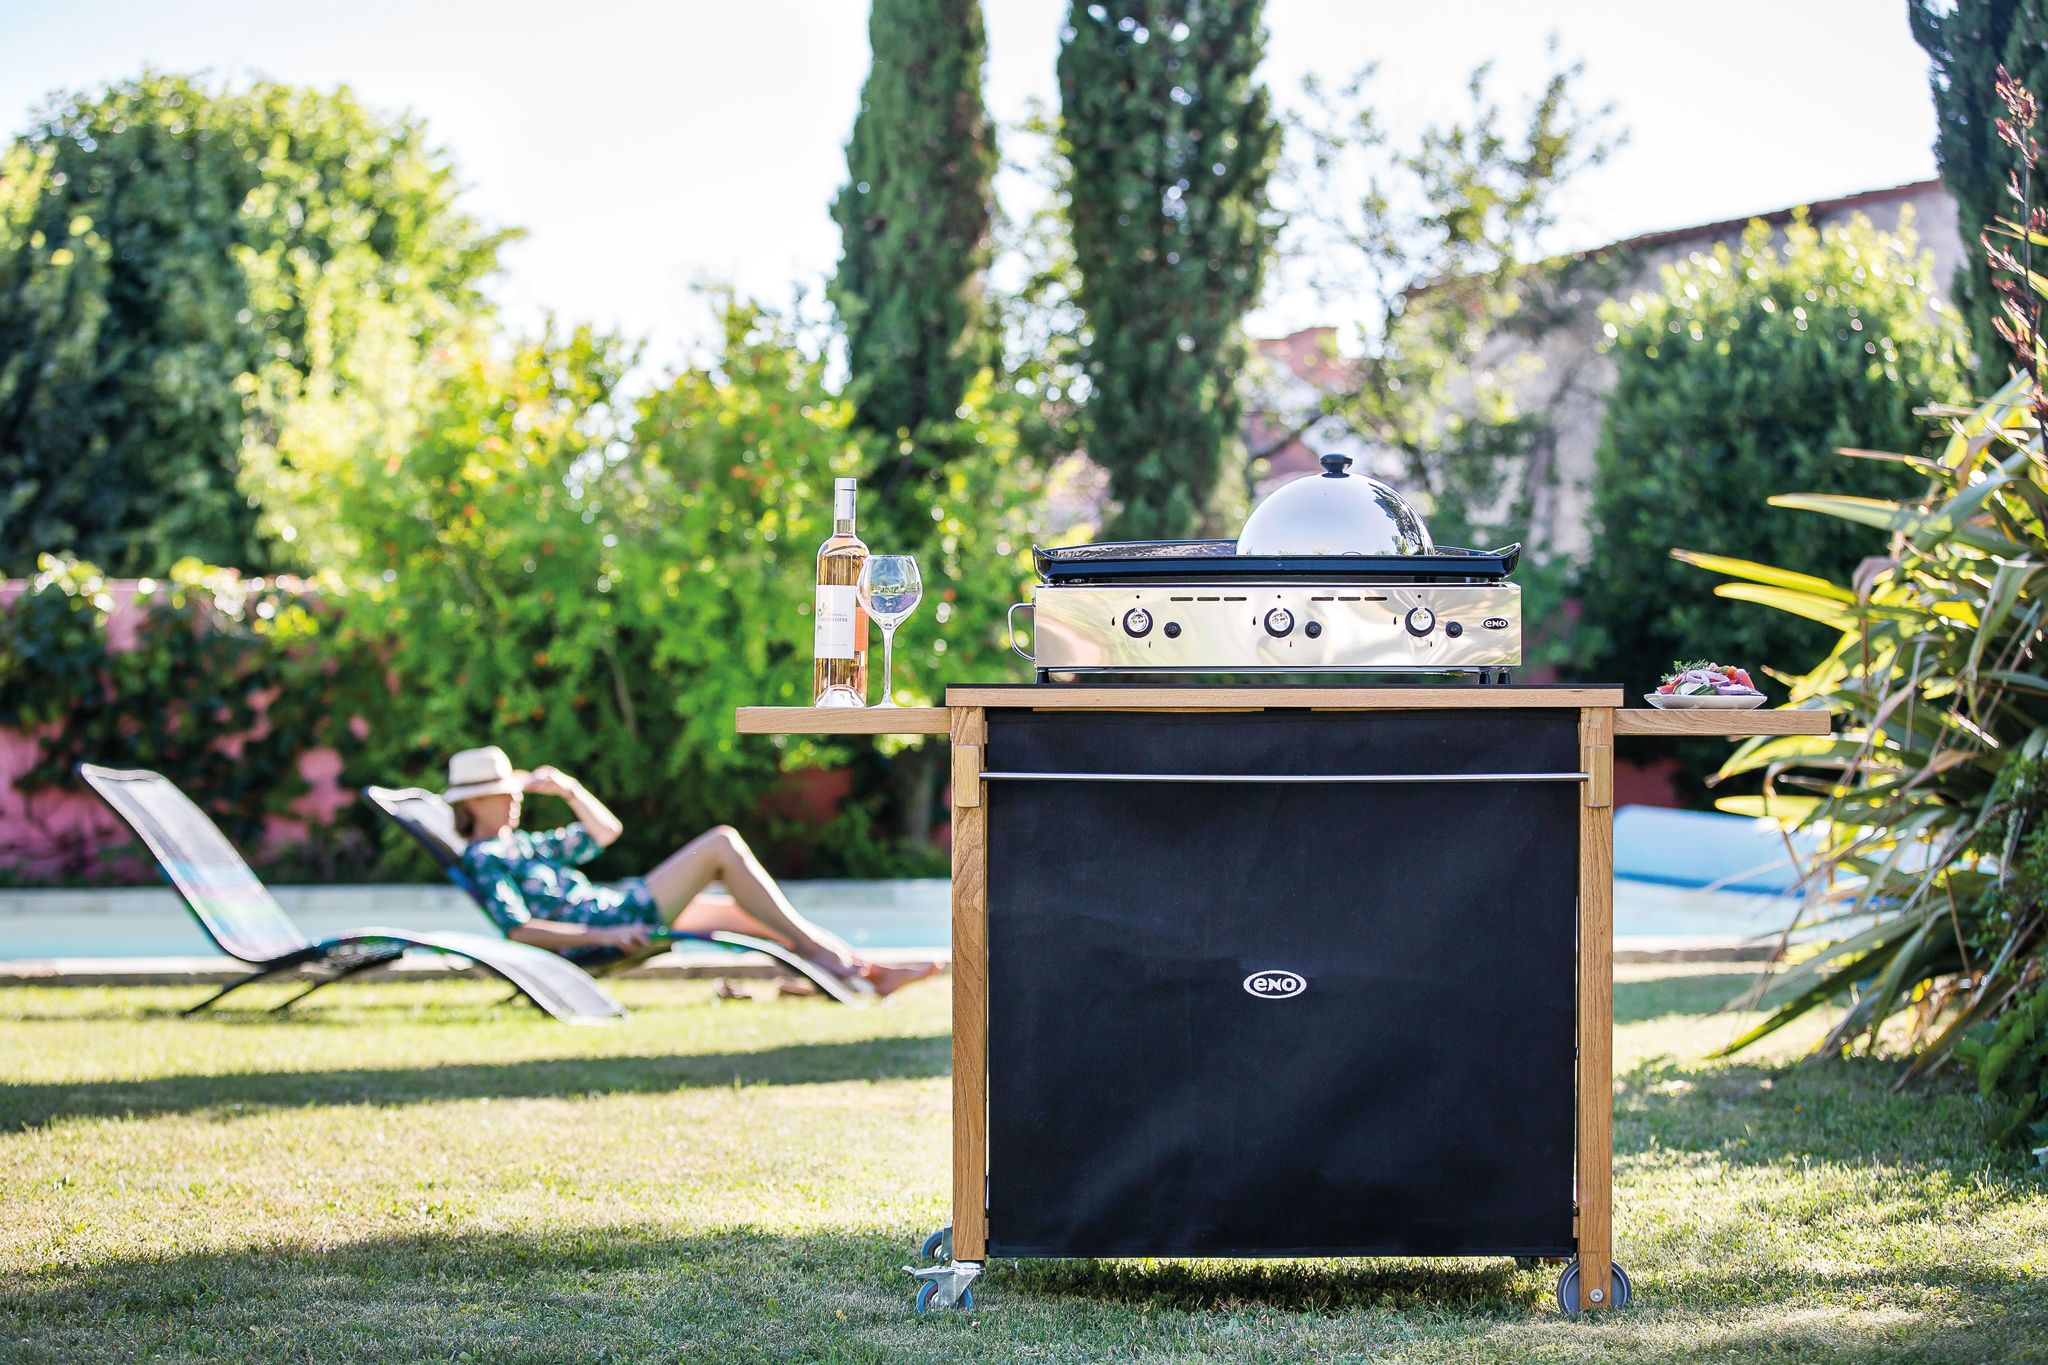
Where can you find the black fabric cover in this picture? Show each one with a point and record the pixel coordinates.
(1416, 1098)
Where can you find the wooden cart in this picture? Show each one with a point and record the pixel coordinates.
(965, 719)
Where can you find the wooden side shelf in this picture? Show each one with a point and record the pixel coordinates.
(840, 720)
(1646, 720)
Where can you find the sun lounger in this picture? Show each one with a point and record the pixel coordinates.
(245, 921)
(427, 818)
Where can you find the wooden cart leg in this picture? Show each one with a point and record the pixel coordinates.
(968, 729)
(1596, 1011)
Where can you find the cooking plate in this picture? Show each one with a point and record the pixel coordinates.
(1197, 560)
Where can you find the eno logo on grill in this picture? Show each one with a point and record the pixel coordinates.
(1495, 623)
(1274, 985)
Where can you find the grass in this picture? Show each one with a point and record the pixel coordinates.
(405, 1172)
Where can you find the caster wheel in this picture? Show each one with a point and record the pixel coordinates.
(927, 1292)
(938, 1246)
(1568, 1290)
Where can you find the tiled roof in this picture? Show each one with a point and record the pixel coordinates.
(1820, 208)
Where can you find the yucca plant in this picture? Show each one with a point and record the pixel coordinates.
(1930, 883)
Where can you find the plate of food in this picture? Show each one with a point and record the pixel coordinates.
(1705, 686)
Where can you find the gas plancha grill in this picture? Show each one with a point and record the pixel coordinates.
(1195, 1011)
(1201, 607)
(1333, 573)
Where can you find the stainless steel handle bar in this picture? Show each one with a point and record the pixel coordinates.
(1284, 777)
(1011, 619)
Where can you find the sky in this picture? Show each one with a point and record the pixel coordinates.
(655, 148)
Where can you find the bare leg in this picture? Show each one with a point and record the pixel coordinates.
(757, 906)
(711, 912)
(722, 856)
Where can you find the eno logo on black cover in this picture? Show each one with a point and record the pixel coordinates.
(1271, 985)
(1495, 623)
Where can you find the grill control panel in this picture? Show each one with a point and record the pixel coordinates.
(1306, 627)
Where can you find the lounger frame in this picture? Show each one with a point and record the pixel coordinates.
(245, 921)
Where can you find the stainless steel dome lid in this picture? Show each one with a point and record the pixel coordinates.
(1334, 513)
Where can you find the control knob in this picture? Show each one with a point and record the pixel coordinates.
(1421, 621)
(1137, 623)
(1279, 621)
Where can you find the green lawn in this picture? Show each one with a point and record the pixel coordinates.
(406, 1172)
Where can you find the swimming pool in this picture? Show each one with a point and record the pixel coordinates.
(149, 922)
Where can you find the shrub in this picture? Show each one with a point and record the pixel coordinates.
(489, 553)
(600, 589)
(1747, 369)
(542, 567)
(221, 683)
(2012, 1070)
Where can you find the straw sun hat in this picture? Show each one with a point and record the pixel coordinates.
(482, 772)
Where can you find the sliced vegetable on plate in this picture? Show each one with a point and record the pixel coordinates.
(1703, 684)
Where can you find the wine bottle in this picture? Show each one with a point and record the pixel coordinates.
(839, 627)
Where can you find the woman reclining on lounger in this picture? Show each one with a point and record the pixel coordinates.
(536, 892)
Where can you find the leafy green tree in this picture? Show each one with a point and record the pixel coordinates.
(597, 583)
(914, 221)
(1748, 369)
(1444, 233)
(732, 471)
(1967, 41)
(485, 566)
(175, 264)
(1170, 142)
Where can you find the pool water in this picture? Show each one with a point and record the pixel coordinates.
(868, 914)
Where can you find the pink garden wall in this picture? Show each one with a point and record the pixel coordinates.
(46, 831)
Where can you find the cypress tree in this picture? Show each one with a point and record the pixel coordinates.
(1170, 141)
(914, 219)
(1966, 42)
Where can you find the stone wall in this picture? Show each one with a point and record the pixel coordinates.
(1573, 379)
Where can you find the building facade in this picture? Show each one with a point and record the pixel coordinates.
(1560, 372)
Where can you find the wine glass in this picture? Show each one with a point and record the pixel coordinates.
(890, 590)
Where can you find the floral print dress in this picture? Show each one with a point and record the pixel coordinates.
(522, 876)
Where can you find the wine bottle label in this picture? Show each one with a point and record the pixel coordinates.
(832, 622)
